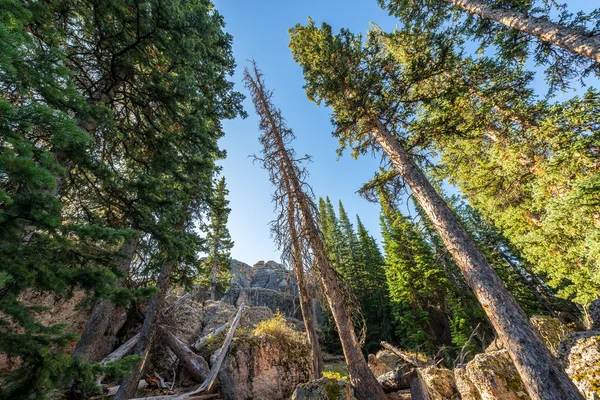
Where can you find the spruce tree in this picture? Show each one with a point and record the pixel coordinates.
(218, 240)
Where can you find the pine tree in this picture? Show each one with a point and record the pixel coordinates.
(218, 240)
(570, 47)
(373, 104)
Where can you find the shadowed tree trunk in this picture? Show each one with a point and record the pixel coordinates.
(573, 40)
(146, 338)
(274, 139)
(98, 333)
(542, 376)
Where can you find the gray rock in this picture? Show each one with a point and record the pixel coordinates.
(579, 354)
(494, 377)
(264, 368)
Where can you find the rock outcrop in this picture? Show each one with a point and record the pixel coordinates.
(324, 389)
(260, 367)
(579, 354)
(265, 284)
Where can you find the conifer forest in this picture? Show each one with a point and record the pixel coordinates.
(479, 279)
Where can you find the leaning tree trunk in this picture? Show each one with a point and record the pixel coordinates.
(573, 40)
(95, 343)
(146, 338)
(365, 385)
(361, 377)
(307, 315)
(542, 376)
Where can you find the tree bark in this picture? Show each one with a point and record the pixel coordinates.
(144, 343)
(307, 315)
(101, 327)
(542, 376)
(573, 40)
(195, 364)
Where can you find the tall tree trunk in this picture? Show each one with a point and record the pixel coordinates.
(307, 315)
(542, 376)
(213, 281)
(573, 40)
(365, 385)
(95, 340)
(146, 338)
(361, 377)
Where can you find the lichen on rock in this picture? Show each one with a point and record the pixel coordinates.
(324, 389)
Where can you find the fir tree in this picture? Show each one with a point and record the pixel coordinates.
(218, 240)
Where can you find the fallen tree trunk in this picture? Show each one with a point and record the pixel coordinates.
(394, 380)
(212, 376)
(204, 339)
(406, 357)
(418, 389)
(196, 365)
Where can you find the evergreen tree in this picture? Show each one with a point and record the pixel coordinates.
(218, 240)
(373, 293)
(373, 107)
(567, 42)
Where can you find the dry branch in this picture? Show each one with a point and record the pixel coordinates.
(200, 342)
(406, 357)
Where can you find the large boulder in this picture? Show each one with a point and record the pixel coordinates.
(490, 376)
(264, 368)
(440, 383)
(579, 354)
(551, 330)
(465, 387)
(324, 389)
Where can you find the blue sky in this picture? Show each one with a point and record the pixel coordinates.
(260, 31)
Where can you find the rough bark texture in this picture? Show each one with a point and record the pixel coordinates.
(104, 321)
(542, 375)
(361, 377)
(195, 364)
(576, 41)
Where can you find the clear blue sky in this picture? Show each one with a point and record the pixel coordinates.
(260, 31)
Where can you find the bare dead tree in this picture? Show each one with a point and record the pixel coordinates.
(288, 172)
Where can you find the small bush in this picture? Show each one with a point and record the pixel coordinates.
(276, 328)
(336, 376)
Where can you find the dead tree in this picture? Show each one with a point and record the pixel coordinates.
(275, 140)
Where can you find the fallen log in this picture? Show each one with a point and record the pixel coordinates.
(395, 380)
(111, 391)
(196, 365)
(173, 396)
(330, 358)
(204, 339)
(122, 350)
(405, 356)
(212, 376)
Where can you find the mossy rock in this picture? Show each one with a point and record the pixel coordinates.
(324, 389)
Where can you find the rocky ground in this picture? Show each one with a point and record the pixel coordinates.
(269, 357)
